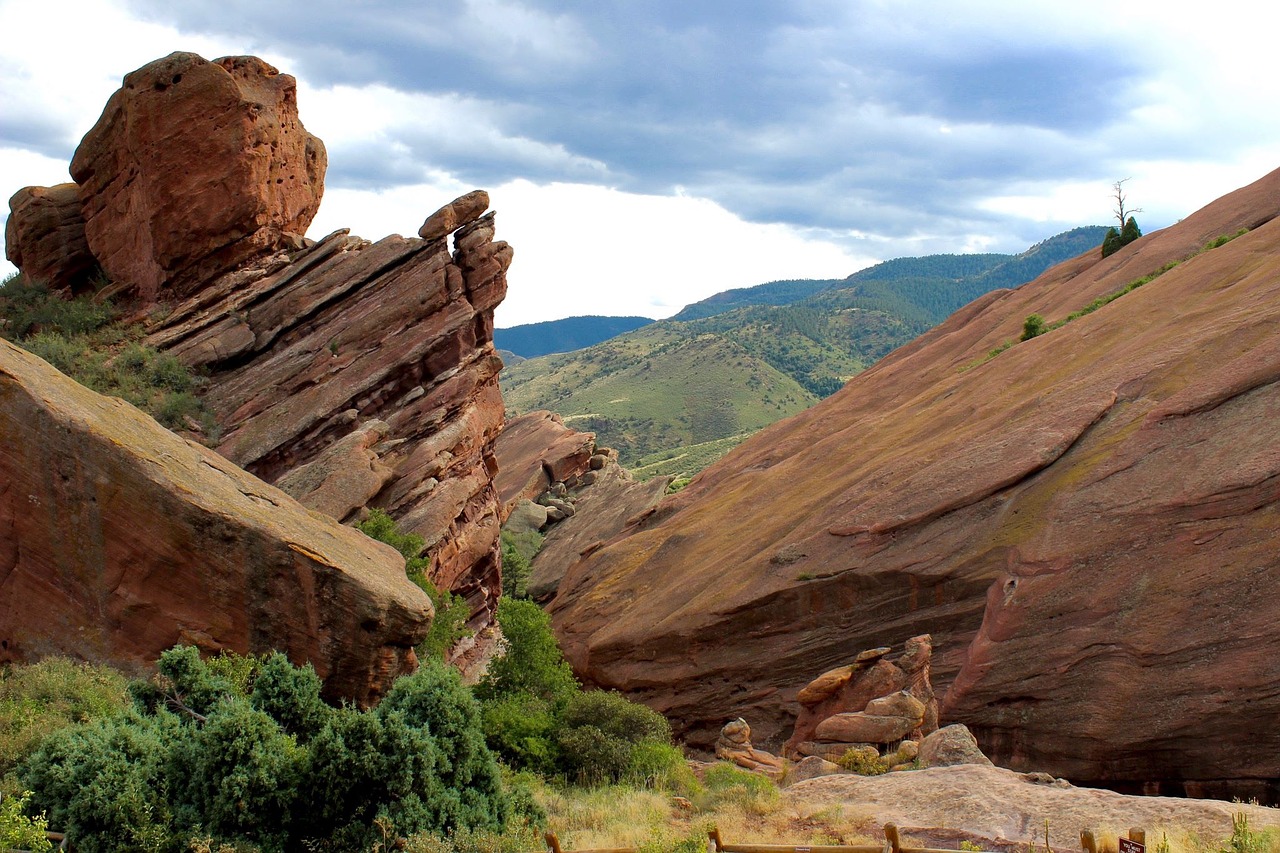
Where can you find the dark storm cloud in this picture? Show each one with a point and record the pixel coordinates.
(819, 114)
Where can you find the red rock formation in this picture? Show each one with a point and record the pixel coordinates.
(308, 351)
(119, 539)
(1086, 524)
(535, 450)
(193, 168)
(44, 236)
(354, 374)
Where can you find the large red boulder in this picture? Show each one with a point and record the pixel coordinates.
(118, 539)
(194, 168)
(44, 237)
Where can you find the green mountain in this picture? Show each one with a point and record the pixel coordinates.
(534, 339)
(675, 395)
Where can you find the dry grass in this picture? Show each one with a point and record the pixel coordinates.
(619, 816)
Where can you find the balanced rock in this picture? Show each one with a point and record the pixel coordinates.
(735, 745)
(44, 237)
(871, 677)
(865, 728)
(118, 540)
(825, 685)
(457, 213)
(194, 168)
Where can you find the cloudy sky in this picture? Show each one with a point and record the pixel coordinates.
(643, 155)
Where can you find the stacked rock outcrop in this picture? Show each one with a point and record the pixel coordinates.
(871, 702)
(354, 374)
(554, 479)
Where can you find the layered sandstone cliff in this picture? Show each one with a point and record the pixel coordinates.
(1088, 524)
(354, 374)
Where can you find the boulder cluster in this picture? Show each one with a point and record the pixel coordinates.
(872, 704)
(555, 480)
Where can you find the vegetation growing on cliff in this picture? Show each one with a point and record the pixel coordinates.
(449, 625)
(84, 339)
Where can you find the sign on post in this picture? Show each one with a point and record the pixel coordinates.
(1127, 846)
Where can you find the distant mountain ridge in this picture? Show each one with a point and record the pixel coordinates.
(773, 350)
(571, 333)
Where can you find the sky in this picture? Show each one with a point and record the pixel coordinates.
(644, 155)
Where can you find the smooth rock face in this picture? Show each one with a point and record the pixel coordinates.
(860, 727)
(536, 450)
(118, 539)
(193, 168)
(44, 236)
(1086, 524)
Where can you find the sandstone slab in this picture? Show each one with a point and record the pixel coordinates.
(118, 539)
(44, 237)
(1091, 513)
(864, 728)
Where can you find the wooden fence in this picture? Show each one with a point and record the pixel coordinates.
(892, 844)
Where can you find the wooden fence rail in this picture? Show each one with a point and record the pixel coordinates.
(717, 844)
(892, 844)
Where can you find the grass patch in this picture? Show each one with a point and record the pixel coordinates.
(83, 339)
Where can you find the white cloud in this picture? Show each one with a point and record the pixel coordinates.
(583, 249)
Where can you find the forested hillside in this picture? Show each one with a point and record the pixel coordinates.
(673, 396)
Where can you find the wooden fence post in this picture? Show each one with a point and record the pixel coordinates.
(891, 842)
(714, 842)
(1138, 835)
(553, 843)
(1088, 842)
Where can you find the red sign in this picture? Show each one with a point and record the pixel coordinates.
(1127, 846)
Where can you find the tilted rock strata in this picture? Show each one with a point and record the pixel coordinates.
(193, 168)
(536, 450)
(1086, 524)
(119, 539)
(363, 374)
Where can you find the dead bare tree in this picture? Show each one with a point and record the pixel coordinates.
(1122, 213)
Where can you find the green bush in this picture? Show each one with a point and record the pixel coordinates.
(1032, 327)
(601, 730)
(661, 766)
(19, 832)
(452, 611)
(532, 663)
(38, 699)
(861, 762)
(521, 730)
(518, 550)
(725, 784)
(229, 754)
